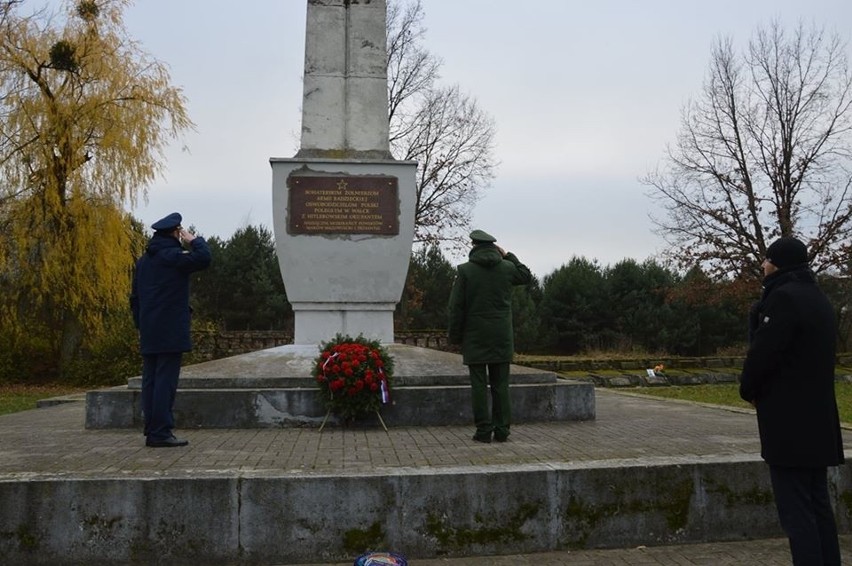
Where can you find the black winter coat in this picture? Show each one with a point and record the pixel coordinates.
(160, 296)
(789, 372)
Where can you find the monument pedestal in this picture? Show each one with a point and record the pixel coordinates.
(273, 388)
(343, 231)
(314, 321)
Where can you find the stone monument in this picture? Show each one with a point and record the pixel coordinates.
(343, 212)
(343, 208)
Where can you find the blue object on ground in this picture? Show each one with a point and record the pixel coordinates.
(381, 559)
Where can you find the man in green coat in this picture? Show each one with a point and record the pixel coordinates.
(481, 321)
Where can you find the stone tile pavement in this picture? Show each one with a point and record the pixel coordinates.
(768, 552)
(52, 442)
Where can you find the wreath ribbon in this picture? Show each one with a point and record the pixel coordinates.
(328, 384)
(383, 386)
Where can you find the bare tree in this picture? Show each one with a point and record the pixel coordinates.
(411, 69)
(440, 127)
(764, 152)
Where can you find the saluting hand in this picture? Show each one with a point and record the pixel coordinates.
(186, 235)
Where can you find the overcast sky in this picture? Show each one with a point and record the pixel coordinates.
(585, 96)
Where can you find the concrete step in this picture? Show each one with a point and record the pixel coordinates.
(524, 376)
(269, 408)
(645, 472)
(219, 517)
(273, 388)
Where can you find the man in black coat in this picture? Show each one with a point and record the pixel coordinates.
(160, 305)
(788, 376)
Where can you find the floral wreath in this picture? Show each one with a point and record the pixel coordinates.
(354, 377)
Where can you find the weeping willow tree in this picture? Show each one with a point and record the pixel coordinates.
(85, 116)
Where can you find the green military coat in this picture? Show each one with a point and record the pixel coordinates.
(481, 305)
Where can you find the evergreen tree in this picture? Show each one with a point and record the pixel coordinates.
(526, 320)
(427, 290)
(575, 313)
(243, 289)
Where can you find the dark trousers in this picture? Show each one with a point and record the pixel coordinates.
(160, 373)
(498, 418)
(804, 509)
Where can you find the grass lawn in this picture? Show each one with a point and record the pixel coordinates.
(19, 397)
(728, 394)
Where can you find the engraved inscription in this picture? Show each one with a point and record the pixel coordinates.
(343, 205)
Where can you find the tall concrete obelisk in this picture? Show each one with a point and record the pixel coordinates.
(343, 208)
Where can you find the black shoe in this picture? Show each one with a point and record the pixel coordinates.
(170, 442)
(501, 438)
(485, 439)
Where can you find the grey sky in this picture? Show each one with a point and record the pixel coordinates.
(585, 96)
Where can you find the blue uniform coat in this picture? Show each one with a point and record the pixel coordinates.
(160, 296)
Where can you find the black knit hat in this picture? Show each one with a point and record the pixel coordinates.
(786, 252)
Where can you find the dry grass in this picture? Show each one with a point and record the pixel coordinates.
(20, 397)
(728, 394)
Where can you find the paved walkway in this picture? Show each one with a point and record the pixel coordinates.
(52, 442)
(772, 552)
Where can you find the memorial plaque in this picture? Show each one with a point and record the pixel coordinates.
(343, 205)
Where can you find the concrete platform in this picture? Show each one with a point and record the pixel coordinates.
(643, 473)
(273, 388)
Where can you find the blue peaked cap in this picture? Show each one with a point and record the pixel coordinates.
(170, 222)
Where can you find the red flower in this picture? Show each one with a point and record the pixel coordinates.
(349, 374)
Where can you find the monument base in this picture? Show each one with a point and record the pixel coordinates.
(274, 388)
(315, 321)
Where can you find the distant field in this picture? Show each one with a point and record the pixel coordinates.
(14, 398)
(728, 394)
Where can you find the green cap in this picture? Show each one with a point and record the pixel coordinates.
(482, 236)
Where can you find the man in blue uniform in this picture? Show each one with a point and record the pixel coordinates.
(160, 304)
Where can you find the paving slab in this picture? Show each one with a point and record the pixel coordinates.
(53, 441)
